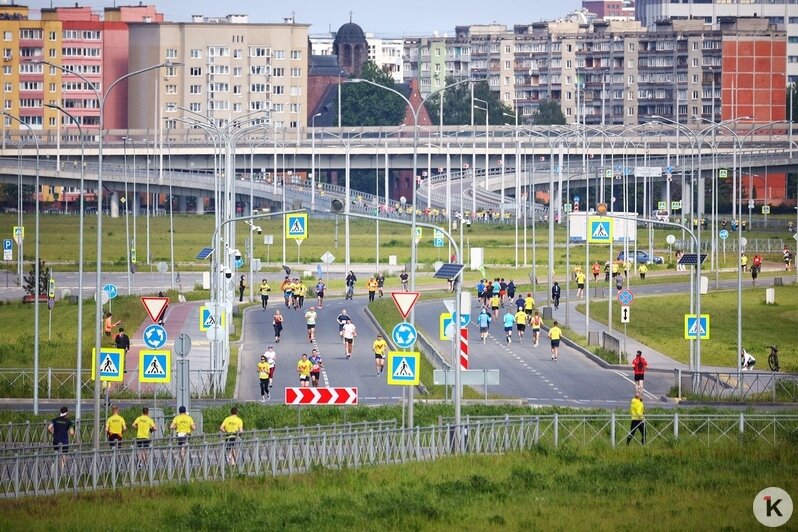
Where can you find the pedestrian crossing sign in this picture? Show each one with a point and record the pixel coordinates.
(296, 226)
(403, 368)
(112, 364)
(207, 319)
(693, 327)
(599, 230)
(155, 366)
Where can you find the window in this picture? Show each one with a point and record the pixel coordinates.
(195, 89)
(171, 89)
(236, 107)
(51, 121)
(296, 72)
(296, 90)
(218, 51)
(53, 36)
(630, 80)
(218, 87)
(695, 78)
(630, 111)
(237, 72)
(631, 63)
(279, 89)
(237, 53)
(258, 51)
(171, 107)
(236, 89)
(52, 52)
(695, 61)
(256, 106)
(195, 107)
(279, 72)
(7, 70)
(695, 95)
(296, 54)
(170, 124)
(7, 54)
(195, 53)
(278, 107)
(279, 54)
(631, 47)
(218, 69)
(7, 36)
(296, 107)
(52, 87)
(507, 65)
(171, 53)
(8, 104)
(259, 70)
(257, 87)
(195, 72)
(30, 34)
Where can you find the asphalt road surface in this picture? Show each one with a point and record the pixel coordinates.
(359, 371)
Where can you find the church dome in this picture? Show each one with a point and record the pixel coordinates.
(350, 32)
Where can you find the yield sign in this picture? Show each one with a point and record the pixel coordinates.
(405, 301)
(321, 396)
(155, 306)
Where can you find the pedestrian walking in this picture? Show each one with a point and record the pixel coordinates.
(639, 365)
(637, 413)
(371, 286)
(182, 426)
(320, 288)
(380, 348)
(277, 323)
(508, 320)
(241, 286)
(483, 322)
(351, 279)
(61, 428)
(310, 320)
(264, 293)
(231, 427)
(144, 426)
(114, 428)
(536, 322)
(303, 368)
(122, 340)
(642, 270)
(403, 277)
(317, 364)
(263, 378)
(348, 333)
(380, 283)
(554, 335)
(619, 283)
(109, 324)
(556, 291)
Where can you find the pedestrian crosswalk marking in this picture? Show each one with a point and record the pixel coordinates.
(108, 365)
(403, 369)
(155, 368)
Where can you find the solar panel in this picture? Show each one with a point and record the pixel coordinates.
(448, 271)
(204, 253)
(692, 258)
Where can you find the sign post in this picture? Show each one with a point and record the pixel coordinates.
(182, 348)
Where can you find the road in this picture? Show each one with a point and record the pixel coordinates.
(358, 371)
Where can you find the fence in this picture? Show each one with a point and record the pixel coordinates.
(48, 473)
(754, 245)
(27, 439)
(732, 386)
(61, 383)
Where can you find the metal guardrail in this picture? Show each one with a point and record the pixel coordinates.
(733, 386)
(29, 439)
(52, 473)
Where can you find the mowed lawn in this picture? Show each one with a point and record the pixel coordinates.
(686, 487)
(658, 321)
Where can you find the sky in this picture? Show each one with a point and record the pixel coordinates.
(389, 19)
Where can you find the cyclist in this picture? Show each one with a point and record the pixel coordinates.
(556, 291)
(351, 279)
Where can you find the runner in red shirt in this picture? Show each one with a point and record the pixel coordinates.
(639, 365)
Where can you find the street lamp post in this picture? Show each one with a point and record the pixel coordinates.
(36, 273)
(313, 161)
(413, 248)
(79, 344)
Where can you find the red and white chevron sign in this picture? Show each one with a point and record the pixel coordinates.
(463, 348)
(321, 396)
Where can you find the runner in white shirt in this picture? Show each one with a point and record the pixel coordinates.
(271, 359)
(310, 318)
(348, 332)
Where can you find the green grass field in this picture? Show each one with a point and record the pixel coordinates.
(658, 321)
(59, 242)
(686, 487)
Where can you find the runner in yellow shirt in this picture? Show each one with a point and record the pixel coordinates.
(380, 348)
(520, 323)
(580, 284)
(371, 285)
(555, 333)
(303, 367)
(144, 426)
(529, 304)
(495, 301)
(114, 427)
(263, 378)
(232, 426)
(182, 425)
(301, 292)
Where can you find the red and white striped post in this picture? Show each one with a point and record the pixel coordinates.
(463, 348)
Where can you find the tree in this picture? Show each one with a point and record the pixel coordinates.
(549, 114)
(44, 280)
(363, 104)
(457, 106)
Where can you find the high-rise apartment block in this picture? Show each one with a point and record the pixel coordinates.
(617, 72)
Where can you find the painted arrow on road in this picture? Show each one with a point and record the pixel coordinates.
(321, 396)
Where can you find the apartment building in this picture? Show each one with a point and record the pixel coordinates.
(618, 72)
(782, 13)
(229, 68)
(384, 52)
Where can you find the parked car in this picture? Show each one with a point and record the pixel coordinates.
(642, 258)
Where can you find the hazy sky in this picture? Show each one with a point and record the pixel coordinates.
(396, 18)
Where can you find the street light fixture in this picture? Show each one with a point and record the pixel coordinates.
(36, 273)
(79, 354)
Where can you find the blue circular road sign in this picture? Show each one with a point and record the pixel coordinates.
(111, 290)
(724, 234)
(625, 297)
(404, 335)
(154, 336)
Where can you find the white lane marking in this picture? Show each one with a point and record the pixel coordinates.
(622, 375)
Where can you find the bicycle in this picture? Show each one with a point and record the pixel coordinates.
(773, 358)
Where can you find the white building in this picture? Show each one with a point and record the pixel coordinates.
(386, 53)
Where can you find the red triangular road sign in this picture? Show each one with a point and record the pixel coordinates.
(405, 301)
(155, 306)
